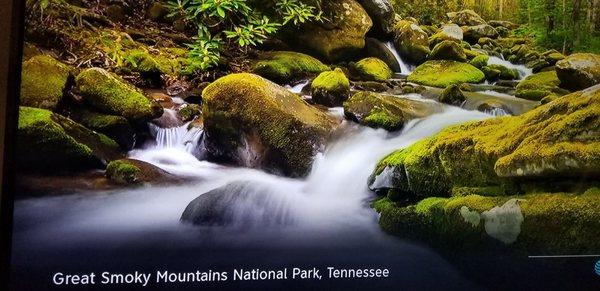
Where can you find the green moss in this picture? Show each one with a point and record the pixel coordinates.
(277, 123)
(48, 142)
(189, 112)
(170, 61)
(445, 73)
(579, 71)
(553, 222)
(372, 69)
(115, 127)
(553, 140)
(538, 86)
(505, 73)
(108, 93)
(330, 88)
(480, 61)
(411, 41)
(44, 81)
(452, 95)
(284, 66)
(384, 111)
(123, 172)
(448, 50)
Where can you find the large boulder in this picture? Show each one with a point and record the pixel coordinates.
(253, 122)
(383, 15)
(411, 41)
(51, 143)
(341, 36)
(371, 69)
(284, 67)
(558, 140)
(451, 32)
(452, 95)
(444, 73)
(111, 95)
(448, 50)
(579, 71)
(386, 111)
(465, 17)
(472, 34)
(44, 82)
(330, 88)
(503, 23)
(115, 127)
(537, 86)
(377, 49)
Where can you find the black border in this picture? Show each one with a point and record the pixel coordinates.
(13, 85)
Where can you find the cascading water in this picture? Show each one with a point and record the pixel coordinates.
(405, 68)
(522, 69)
(298, 87)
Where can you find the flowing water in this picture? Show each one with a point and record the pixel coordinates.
(405, 68)
(524, 72)
(325, 216)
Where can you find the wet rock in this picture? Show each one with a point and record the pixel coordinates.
(330, 88)
(382, 14)
(44, 82)
(540, 85)
(480, 61)
(465, 17)
(51, 143)
(472, 34)
(444, 73)
(411, 41)
(448, 50)
(371, 69)
(189, 112)
(110, 94)
(452, 95)
(386, 111)
(451, 32)
(131, 172)
(579, 71)
(377, 49)
(341, 36)
(253, 122)
(115, 127)
(284, 66)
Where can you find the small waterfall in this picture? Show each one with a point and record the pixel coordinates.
(298, 87)
(522, 69)
(404, 67)
(496, 112)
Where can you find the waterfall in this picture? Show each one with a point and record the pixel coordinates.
(405, 68)
(298, 87)
(522, 69)
(496, 112)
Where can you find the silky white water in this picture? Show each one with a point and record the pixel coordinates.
(524, 71)
(405, 68)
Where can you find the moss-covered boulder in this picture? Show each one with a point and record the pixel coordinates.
(284, 67)
(253, 122)
(495, 72)
(371, 69)
(377, 49)
(503, 23)
(330, 88)
(130, 172)
(537, 86)
(386, 111)
(444, 73)
(452, 95)
(44, 82)
(189, 112)
(382, 14)
(448, 50)
(472, 34)
(465, 17)
(451, 32)
(558, 140)
(480, 61)
(411, 41)
(579, 71)
(536, 223)
(51, 143)
(112, 95)
(341, 36)
(115, 127)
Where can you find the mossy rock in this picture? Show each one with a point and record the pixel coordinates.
(448, 50)
(115, 127)
(557, 140)
(451, 32)
(330, 88)
(452, 95)
(480, 61)
(169, 61)
(534, 223)
(540, 85)
(112, 95)
(341, 36)
(382, 14)
(372, 69)
(131, 172)
(377, 49)
(472, 34)
(579, 71)
(465, 17)
(411, 41)
(444, 73)
(189, 112)
(284, 67)
(276, 128)
(495, 71)
(44, 82)
(386, 111)
(51, 143)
